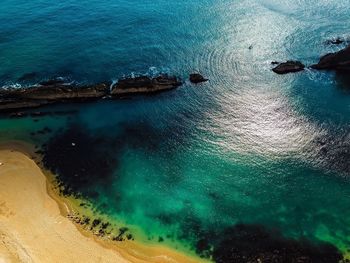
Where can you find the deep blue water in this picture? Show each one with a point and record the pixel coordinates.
(248, 146)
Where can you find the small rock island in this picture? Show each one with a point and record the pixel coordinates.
(288, 67)
(197, 78)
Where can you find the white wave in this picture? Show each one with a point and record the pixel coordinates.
(114, 81)
(11, 86)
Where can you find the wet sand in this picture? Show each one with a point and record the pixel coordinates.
(34, 229)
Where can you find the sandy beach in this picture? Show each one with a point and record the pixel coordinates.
(33, 229)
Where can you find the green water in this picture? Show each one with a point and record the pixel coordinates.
(181, 176)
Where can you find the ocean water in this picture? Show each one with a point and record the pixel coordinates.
(248, 147)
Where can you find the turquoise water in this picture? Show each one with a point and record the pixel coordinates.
(247, 147)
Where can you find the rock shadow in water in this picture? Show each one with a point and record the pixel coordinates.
(343, 80)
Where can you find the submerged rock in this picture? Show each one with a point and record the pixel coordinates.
(335, 41)
(288, 67)
(338, 40)
(144, 84)
(10, 105)
(18, 115)
(197, 78)
(95, 223)
(338, 61)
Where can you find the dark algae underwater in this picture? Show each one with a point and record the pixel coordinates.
(236, 164)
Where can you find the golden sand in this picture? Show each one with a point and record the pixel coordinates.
(33, 228)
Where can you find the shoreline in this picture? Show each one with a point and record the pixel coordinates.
(18, 161)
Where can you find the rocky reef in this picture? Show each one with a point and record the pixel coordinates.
(41, 95)
(144, 84)
(58, 91)
(338, 61)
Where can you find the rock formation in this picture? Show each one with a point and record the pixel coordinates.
(288, 67)
(56, 90)
(144, 84)
(337, 61)
(197, 78)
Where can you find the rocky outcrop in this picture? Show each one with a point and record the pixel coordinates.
(57, 90)
(337, 61)
(144, 84)
(50, 92)
(197, 78)
(288, 67)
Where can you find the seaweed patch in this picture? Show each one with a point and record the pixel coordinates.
(244, 243)
(79, 158)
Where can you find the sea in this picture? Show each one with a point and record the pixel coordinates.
(247, 158)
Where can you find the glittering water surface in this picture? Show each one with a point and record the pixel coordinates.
(248, 147)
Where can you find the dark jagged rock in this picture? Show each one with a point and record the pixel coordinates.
(165, 82)
(289, 67)
(105, 225)
(86, 220)
(197, 78)
(338, 61)
(122, 231)
(144, 84)
(95, 223)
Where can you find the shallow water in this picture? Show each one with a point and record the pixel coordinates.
(247, 147)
